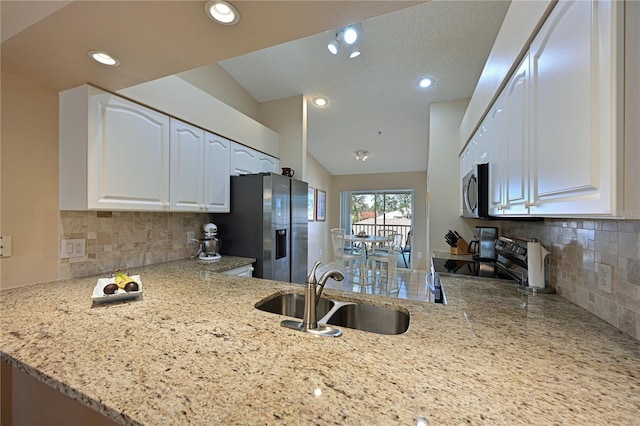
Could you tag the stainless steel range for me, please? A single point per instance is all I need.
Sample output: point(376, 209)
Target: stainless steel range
point(513, 263)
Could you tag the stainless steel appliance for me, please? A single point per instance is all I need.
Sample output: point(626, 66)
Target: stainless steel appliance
point(524, 260)
point(475, 192)
point(210, 244)
point(487, 236)
point(513, 263)
point(268, 221)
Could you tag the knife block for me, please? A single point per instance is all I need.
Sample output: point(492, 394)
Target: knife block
point(462, 247)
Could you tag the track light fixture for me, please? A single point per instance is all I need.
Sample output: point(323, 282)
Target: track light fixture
point(361, 155)
point(350, 36)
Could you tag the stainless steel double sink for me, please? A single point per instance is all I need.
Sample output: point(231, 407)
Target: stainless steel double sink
point(373, 319)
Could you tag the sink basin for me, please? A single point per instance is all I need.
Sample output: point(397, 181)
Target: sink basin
point(292, 305)
point(374, 319)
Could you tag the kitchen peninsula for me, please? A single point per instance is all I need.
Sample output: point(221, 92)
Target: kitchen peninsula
point(195, 350)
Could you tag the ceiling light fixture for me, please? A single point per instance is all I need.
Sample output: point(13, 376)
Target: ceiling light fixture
point(334, 46)
point(361, 155)
point(355, 51)
point(350, 36)
point(222, 12)
point(425, 82)
point(103, 58)
point(320, 101)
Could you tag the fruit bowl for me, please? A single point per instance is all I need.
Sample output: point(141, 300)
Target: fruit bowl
point(99, 296)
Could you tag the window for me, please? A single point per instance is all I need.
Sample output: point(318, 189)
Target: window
point(380, 213)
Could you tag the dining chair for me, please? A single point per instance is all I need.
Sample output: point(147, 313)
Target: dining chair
point(395, 240)
point(384, 267)
point(343, 255)
point(406, 250)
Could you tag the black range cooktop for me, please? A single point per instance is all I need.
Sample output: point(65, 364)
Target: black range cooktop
point(472, 268)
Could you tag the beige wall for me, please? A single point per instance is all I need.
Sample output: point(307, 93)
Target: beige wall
point(444, 174)
point(408, 180)
point(29, 182)
point(319, 240)
point(214, 80)
point(288, 117)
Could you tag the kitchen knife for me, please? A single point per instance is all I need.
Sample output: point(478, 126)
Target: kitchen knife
point(452, 237)
point(449, 241)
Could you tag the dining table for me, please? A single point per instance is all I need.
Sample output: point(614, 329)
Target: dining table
point(368, 242)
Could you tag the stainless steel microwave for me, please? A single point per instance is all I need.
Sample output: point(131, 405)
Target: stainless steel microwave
point(475, 192)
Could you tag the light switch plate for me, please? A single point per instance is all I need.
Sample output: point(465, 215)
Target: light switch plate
point(73, 248)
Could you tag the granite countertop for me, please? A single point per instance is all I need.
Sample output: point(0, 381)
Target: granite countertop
point(195, 350)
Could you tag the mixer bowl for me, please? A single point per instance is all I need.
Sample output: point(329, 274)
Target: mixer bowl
point(211, 246)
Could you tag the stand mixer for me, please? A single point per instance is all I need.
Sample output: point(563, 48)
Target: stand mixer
point(210, 245)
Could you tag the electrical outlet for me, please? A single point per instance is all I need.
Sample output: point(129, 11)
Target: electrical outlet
point(419, 255)
point(73, 248)
point(6, 246)
point(320, 252)
point(605, 276)
point(191, 235)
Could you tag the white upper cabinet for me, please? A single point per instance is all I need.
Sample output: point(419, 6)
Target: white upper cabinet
point(245, 160)
point(491, 150)
point(267, 163)
point(514, 159)
point(113, 153)
point(554, 135)
point(199, 170)
point(217, 158)
point(575, 103)
point(187, 167)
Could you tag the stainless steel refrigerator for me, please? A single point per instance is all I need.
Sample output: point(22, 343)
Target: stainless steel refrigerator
point(268, 221)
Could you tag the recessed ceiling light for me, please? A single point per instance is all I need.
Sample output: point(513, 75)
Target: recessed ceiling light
point(222, 12)
point(320, 102)
point(425, 82)
point(104, 58)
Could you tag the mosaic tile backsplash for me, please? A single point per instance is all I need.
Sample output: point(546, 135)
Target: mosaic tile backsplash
point(577, 248)
point(127, 239)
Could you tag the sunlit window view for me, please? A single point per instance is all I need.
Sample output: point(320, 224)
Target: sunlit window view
point(383, 213)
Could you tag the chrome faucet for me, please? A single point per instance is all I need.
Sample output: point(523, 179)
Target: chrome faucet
point(312, 295)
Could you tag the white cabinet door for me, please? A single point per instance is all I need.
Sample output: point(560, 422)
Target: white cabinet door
point(515, 168)
point(128, 156)
point(217, 188)
point(573, 84)
point(244, 160)
point(187, 171)
point(491, 150)
point(267, 164)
